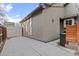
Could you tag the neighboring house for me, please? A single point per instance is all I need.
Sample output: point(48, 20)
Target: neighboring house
point(13, 30)
point(44, 24)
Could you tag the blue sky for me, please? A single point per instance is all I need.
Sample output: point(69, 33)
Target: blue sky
point(17, 11)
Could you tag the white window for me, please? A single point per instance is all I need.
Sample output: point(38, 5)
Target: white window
point(69, 22)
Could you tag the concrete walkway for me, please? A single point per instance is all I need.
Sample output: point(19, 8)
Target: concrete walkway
point(22, 46)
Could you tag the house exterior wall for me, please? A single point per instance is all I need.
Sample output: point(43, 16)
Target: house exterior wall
point(36, 25)
point(37, 31)
point(25, 26)
point(50, 22)
point(71, 9)
point(43, 27)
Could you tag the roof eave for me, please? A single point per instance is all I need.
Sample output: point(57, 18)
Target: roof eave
point(30, 15)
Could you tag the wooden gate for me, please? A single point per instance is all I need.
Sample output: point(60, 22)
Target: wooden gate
point(72, 33)
point(78, 33)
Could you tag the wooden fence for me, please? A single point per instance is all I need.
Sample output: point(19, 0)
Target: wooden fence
point(72, 33)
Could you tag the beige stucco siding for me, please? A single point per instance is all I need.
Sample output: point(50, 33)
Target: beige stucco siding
point(71, 9)
point(24, 29)
point(42, 26)
point(37, 27)
point(51, 29)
